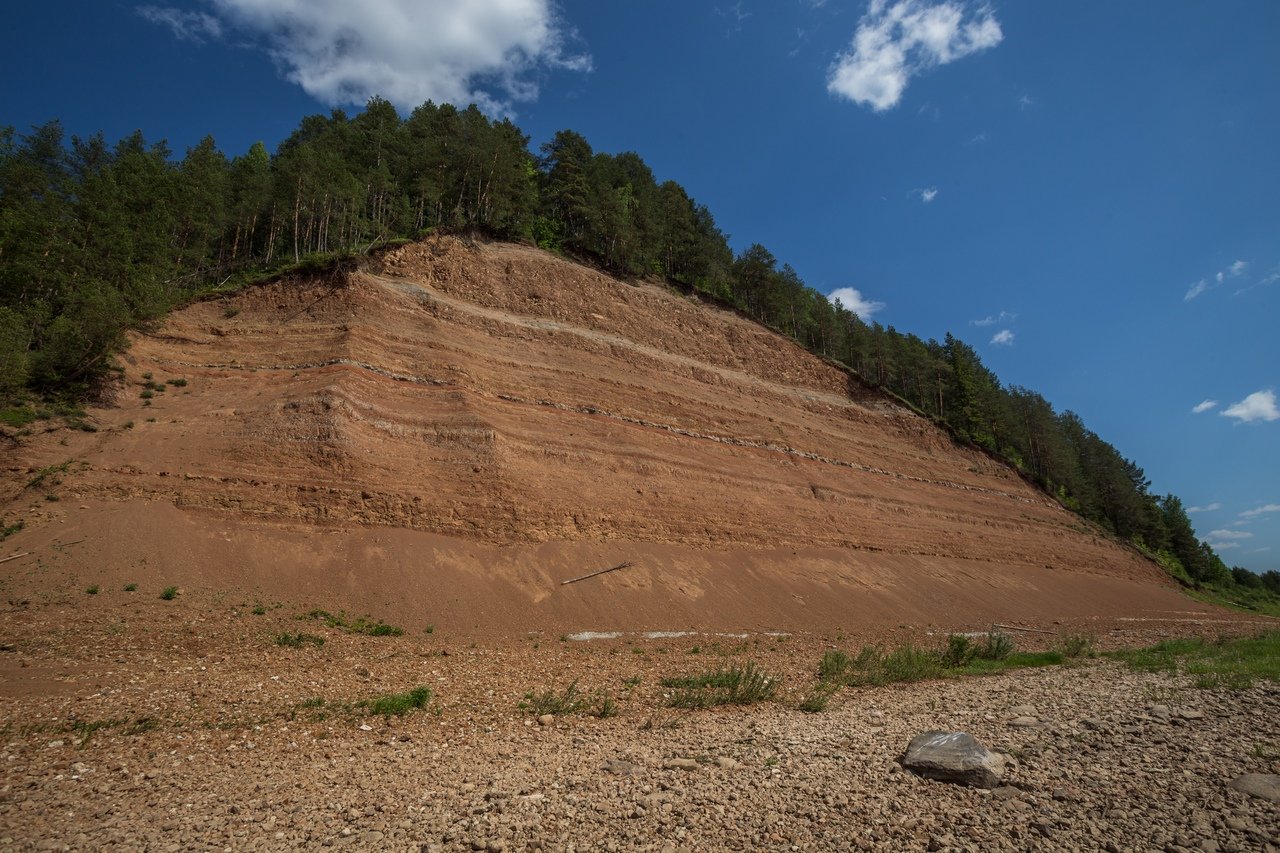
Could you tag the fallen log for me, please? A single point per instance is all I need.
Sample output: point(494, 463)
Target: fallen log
point(595, 574)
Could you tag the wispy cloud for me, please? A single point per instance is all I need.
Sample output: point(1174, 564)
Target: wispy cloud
point(853, 300)
point(1235, 270)
point(992, 319)
point(487, 52)
point(1026, 102)
point(928, 194)
point(1004, 337)
point(1230, 534)
point(1261, 510)
point(898, 40)
point(1208, 508)
point(186, 26)
point(1258, 406)
point(1201, 408)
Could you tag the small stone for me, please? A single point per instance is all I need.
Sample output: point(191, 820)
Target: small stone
point(1023, 711)
point(1159, 712)
point(1263, 785)
point(619, 767)
point(725, 763)
point(680, 764)
point(546, 720)
point(1190, 714)
point(1024, 722)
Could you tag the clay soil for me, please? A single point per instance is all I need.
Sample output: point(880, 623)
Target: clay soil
point(440, 440)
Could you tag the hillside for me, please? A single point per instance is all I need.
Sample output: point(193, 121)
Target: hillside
point(446, 436)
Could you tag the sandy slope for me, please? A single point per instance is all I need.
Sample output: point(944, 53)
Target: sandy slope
point(446, 437)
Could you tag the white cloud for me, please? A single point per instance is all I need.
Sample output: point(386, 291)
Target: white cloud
point(186, 26)
point(1210, 508)
point(1236, 270)
point(992, 319)
point(1262, 510)
point(1230, 534)
point(928, 195)
point(1201, 408)
point(1026, 101)
point(1223, 546)
point(487, 52)
point(854, 301)
point(1258, 406)
point(1004, 337)
point(897, 40)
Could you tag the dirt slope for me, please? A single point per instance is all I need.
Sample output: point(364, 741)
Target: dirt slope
point(448, 436)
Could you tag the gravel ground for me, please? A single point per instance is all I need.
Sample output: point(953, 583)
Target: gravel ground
point(206, 740)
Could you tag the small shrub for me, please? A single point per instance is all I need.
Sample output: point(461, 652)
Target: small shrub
point(131, 587)
point(997, 646)
point(818, 699)
point(834, 666)
point(127, 425)
point(298, 640)
point(7, 530)
point(93, 590)
point(1077, 645)
point(398, 704)
point(170, 593)
point(361, 625)
point(567, 701)
point(960, 650)
point(736, 685)
point(430, 629)
point(178, 383)
point(147, 394)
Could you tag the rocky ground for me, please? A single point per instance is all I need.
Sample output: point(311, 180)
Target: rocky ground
point(190, 729)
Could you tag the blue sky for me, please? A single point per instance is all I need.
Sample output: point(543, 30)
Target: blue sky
point(1086, 191)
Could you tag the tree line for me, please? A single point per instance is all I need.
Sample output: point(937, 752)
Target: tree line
point(98, 238)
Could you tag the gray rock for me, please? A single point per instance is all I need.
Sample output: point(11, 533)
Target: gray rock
point(546, 720)
point(1263, 785)
point(1024, 722)
point(954, 757)
point(619, 767)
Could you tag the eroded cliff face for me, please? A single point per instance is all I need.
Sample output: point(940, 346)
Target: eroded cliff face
point(480, 421)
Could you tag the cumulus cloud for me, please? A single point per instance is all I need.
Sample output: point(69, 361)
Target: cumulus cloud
point(853, 300)
point(186, 26)
point(1201, 408)
point(1209, 508)
point(1258, 406)
point(1004, 337)
point(1262, 510)
point(898, 39)
point(487, 52)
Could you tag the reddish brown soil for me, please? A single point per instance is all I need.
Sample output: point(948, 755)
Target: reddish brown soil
point(445, 438)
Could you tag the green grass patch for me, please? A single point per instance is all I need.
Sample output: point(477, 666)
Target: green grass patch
point(298, 640)
point(170, 593)
point(397, 704)
point(131, 587)
point(361, 625)
point(93, 590)
point(571, 700)
point(1225, 664)
point(735, 685)
point(18, 417)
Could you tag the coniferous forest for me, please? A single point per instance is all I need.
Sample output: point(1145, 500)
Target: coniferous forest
point(97, 238)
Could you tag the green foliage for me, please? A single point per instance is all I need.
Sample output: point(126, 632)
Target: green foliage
point(361, 625)
point(169, 593)
point(131, 587)
point(1226, 664)
point(1077, 645)
point(819, 697)
point(93, 590)
point(570, 700)
point(298, 640)
point(7, 530)
point(996, 646)
point(735, 685)
point(398, 704)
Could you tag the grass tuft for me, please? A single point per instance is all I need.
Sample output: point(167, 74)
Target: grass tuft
point(298, 640)
point(362, 625)
point(170, 593)
point(735, 685)
point(1221, 665)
